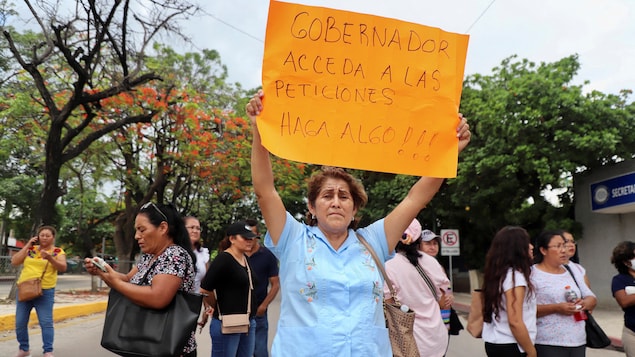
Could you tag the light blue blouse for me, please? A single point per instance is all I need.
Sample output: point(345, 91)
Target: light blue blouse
point(331, 300)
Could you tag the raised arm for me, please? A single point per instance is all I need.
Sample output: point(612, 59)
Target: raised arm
point(420, 194)
point(271, 206)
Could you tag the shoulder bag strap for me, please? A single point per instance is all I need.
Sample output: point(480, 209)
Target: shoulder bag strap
point(427, 280)
point(380, 266)
point(145, 276)
point(251, 287)
point(573, 276)
point(44, 272)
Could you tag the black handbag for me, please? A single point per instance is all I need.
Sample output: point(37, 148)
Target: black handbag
point(455, 323)
point(131, 330)
point(595, 336)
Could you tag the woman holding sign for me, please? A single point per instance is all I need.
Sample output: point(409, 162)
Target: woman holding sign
point(331, 289)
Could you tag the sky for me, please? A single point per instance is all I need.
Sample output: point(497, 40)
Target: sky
point(601, 32)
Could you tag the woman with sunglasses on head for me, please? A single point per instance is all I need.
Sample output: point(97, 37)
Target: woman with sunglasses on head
point(509, 301)
point(166, 265)
point(561, 298)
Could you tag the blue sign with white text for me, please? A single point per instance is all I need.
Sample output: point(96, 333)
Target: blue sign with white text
point(609, 195)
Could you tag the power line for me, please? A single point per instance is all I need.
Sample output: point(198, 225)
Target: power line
point(260, 40)
point(479, 16)
point(235, 28)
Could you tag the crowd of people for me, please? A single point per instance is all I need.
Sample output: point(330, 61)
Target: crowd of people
point(535, 294)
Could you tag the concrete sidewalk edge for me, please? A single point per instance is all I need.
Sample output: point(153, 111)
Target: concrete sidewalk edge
point(616, 342)
point(60, 313)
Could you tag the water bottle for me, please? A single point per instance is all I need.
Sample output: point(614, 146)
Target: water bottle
point(404, 308)
point(572, 297)
point(445, 314)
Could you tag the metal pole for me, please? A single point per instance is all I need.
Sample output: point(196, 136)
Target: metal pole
point(103, 256)
point(451, 275)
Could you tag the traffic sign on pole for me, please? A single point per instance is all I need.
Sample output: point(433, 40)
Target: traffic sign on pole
point(450, 243)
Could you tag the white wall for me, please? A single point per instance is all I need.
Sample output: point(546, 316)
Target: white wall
point(602, 232)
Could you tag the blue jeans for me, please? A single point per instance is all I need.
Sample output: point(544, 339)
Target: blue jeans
point(234, 344)
point(262, 334)
point(44, 309)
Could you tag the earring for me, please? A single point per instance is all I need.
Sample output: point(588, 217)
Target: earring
point(313, 216)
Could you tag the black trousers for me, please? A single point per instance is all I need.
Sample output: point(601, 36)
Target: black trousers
point(503, 350)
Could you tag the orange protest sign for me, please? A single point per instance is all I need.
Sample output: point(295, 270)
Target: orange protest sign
point(361, 91)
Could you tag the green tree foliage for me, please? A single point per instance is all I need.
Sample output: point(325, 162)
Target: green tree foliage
point(89, 53)
point(533, 129)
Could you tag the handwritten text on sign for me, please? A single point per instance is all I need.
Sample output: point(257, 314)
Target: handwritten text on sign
point(361, 91)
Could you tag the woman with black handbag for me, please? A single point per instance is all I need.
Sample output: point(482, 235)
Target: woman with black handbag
point(165, 268)
point(560, 315)
point(430, 243)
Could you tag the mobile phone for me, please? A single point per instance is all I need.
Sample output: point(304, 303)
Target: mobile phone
point(100, 263)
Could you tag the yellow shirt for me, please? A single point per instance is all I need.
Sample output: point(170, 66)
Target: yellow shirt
point(34, 266)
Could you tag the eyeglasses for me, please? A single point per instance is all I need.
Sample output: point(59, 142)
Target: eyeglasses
point(150, 204)
point(194, 228)
point(558, 247)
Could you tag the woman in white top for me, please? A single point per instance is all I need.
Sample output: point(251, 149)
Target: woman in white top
point(560, 333)
point(193, 227)
point(572, 256)
point(509, 302)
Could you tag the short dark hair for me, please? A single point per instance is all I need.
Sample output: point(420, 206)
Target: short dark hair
point(359, 195)
point(623, 252)
point(542, 241)
point(50, 228)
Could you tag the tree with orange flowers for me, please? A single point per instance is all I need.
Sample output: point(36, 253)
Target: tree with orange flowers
point(88, 54)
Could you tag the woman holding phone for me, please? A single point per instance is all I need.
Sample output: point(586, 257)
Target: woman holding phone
point(41, 258)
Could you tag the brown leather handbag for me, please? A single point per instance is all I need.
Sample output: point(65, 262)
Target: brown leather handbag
point(31, 288)
point(400, 323)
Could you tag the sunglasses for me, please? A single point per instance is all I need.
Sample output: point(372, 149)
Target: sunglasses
point(150, 204)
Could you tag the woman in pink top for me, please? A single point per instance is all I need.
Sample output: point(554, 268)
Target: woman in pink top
point(429, 330)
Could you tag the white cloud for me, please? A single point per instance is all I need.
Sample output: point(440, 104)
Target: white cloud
point(601, 32)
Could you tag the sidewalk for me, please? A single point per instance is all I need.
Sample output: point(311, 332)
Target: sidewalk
point(610, 319)
point(67, 305)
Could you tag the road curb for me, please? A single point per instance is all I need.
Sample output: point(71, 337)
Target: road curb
point(60, 313)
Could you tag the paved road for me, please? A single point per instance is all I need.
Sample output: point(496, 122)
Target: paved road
point(81, 336)
point(65, 282)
